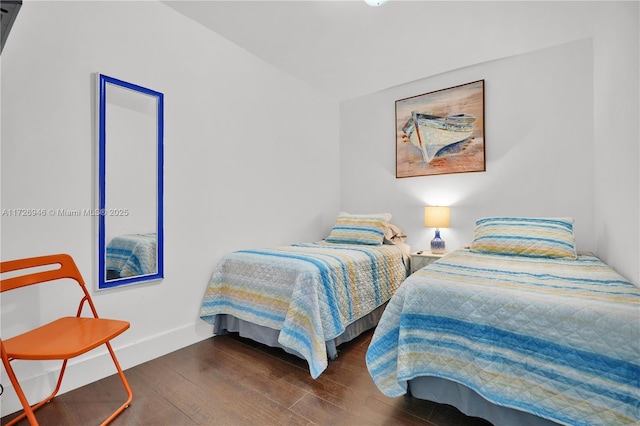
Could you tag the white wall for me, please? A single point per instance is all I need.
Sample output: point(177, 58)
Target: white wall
point(561, 134)
point(617, 134)
point(246, 162)
point(538, 139)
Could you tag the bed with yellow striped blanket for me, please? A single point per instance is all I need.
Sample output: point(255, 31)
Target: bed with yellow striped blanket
point(306, 294)
point(557, 338)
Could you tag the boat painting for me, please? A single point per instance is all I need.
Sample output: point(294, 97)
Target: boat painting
point(437, 136)
point(441, 132)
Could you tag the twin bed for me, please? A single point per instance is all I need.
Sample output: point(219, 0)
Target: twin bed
point(309, 298)
point(517, 329)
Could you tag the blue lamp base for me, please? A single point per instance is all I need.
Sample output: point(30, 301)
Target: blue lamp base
point(437, 244)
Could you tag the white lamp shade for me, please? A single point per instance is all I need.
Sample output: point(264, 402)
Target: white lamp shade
point(436, 217)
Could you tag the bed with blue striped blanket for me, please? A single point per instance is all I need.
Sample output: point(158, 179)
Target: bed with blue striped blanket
point(556, 338)
point(310, 293)
point(132, 255)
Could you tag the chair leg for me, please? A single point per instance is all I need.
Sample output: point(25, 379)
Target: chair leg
point(28, 411)
point(125, 383)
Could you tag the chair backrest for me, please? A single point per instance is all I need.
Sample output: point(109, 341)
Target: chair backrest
point(67, 269)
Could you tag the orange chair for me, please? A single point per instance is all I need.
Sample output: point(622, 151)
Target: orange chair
point(61, 339)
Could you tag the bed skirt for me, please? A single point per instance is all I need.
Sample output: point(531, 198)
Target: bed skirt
point(269, 336)
point(471, 403)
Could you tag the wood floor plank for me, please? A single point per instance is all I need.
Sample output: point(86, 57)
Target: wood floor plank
point(96, 402)
point(257, 374)
point(148, 403)
point(227, 380)
point(55, 413)
point(322, 412)
point(240, 387)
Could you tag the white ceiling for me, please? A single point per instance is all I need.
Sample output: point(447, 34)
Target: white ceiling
point(348, 49)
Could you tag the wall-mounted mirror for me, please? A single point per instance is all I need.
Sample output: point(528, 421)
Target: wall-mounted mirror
point(130, 180)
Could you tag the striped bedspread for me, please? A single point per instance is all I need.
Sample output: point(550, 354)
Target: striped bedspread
point(557, 338)
point(310, 292)
point(132, 255)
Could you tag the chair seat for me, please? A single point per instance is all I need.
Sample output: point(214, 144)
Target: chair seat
point(64, 338)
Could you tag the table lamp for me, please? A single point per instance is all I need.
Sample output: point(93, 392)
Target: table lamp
point(436, 217)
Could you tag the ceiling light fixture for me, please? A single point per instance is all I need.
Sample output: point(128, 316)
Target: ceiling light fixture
point(375, 3)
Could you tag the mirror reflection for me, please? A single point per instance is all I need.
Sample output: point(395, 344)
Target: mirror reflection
point(130, 248)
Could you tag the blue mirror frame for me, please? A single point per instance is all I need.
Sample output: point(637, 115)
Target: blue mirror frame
point(104, 281)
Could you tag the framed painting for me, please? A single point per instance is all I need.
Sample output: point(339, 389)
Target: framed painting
point(441, 132)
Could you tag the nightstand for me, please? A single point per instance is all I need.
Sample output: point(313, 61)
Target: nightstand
point(421, 259)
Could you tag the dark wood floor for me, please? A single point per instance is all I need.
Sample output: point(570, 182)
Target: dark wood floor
point(227, 380)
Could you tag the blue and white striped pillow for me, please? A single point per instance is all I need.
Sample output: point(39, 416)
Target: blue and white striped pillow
point(366, 229)
point(521, 236)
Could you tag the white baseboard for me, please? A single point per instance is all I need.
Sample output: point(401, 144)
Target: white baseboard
point(97, 365)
